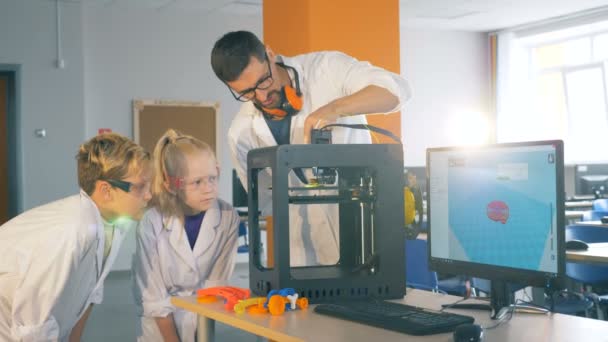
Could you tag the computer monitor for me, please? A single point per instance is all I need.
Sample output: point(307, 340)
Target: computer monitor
point(591, 180)
point(596, 185)
point(497, 212)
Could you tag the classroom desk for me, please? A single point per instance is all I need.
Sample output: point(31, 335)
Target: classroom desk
point(581, 198)
point(574, 215)
point(306, 325)
point(592, 223)
point(596, 254)
point(578, 205)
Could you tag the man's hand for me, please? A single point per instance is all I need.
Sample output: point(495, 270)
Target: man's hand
point(318, 119)
point(369, 100)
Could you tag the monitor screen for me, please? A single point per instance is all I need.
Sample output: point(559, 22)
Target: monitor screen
point(497, 211)
point(591, 180)
point(596, 185)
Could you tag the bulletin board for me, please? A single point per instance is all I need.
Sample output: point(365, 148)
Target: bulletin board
point(152, 118)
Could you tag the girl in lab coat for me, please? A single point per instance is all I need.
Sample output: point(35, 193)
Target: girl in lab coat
point(186, 241)
point(55, 257)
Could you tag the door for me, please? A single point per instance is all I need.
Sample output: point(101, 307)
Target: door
point(3, 149)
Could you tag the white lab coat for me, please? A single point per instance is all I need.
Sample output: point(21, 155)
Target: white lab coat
point(51, 268)
point(324, 77)
point(164, 265)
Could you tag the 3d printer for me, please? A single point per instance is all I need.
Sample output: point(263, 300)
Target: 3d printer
point(363, 184)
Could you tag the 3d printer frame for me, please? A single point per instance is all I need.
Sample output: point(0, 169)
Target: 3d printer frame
point(369, 194)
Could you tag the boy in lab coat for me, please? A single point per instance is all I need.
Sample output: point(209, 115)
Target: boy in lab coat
point(55, 257)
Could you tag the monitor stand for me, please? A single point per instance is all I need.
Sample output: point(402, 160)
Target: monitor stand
point(501, 302)
point(520, 308)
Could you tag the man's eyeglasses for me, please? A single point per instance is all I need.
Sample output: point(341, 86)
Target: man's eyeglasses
point(128, 186)
point(262, 84)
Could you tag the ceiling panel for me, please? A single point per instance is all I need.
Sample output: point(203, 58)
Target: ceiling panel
point(465, 15)
point(487, 15)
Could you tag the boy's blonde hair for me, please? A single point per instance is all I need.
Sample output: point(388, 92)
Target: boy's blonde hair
point(170, 169)
point(108, 156)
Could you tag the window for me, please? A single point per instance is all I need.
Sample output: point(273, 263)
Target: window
point(553, 86)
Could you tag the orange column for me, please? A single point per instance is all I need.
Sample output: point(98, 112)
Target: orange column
point(366, 30)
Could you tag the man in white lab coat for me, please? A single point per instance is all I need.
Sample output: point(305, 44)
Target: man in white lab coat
point(284, 98)
point(55, 257)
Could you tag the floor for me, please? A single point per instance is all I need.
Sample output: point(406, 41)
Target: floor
point(115, 319)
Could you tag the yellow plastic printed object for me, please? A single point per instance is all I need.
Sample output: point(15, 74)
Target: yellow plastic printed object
point(313, 183)
point(257, 309)
point(242, 304)
point(409, 205)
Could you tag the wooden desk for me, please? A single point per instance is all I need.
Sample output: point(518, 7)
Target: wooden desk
point(579, 204)
point(306, 325)
point(597, 253)
point(581, 198)
point(592, 223)
point(574, 215)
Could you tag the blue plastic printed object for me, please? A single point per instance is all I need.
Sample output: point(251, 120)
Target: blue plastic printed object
point(288, 291)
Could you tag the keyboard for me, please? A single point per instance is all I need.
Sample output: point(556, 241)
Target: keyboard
point(397, 317)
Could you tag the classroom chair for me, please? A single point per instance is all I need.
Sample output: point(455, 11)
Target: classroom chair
point(600, 204)
point(417, 272)
point(589, 275)
point(419, 275)
point(244, 248)
point(593, 215)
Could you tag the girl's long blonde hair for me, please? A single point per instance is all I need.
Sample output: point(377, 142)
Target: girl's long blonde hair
point(170, 169)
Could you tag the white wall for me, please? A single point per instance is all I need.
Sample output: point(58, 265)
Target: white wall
point(51, 98)
point(116, 53)
point(449, 75)
point(155, 54)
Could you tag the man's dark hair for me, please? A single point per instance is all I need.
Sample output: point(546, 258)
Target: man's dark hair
point(231, 54)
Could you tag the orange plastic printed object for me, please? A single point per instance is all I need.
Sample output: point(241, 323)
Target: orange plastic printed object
point(276, 305)
point(207, 299)
point(302, 303)
point(230, 294)
point(258, 309)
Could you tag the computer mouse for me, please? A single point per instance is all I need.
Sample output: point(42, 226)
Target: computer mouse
point(576, 245)
point(468, 333)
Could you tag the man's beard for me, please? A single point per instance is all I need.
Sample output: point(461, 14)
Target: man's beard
point(278, 104)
